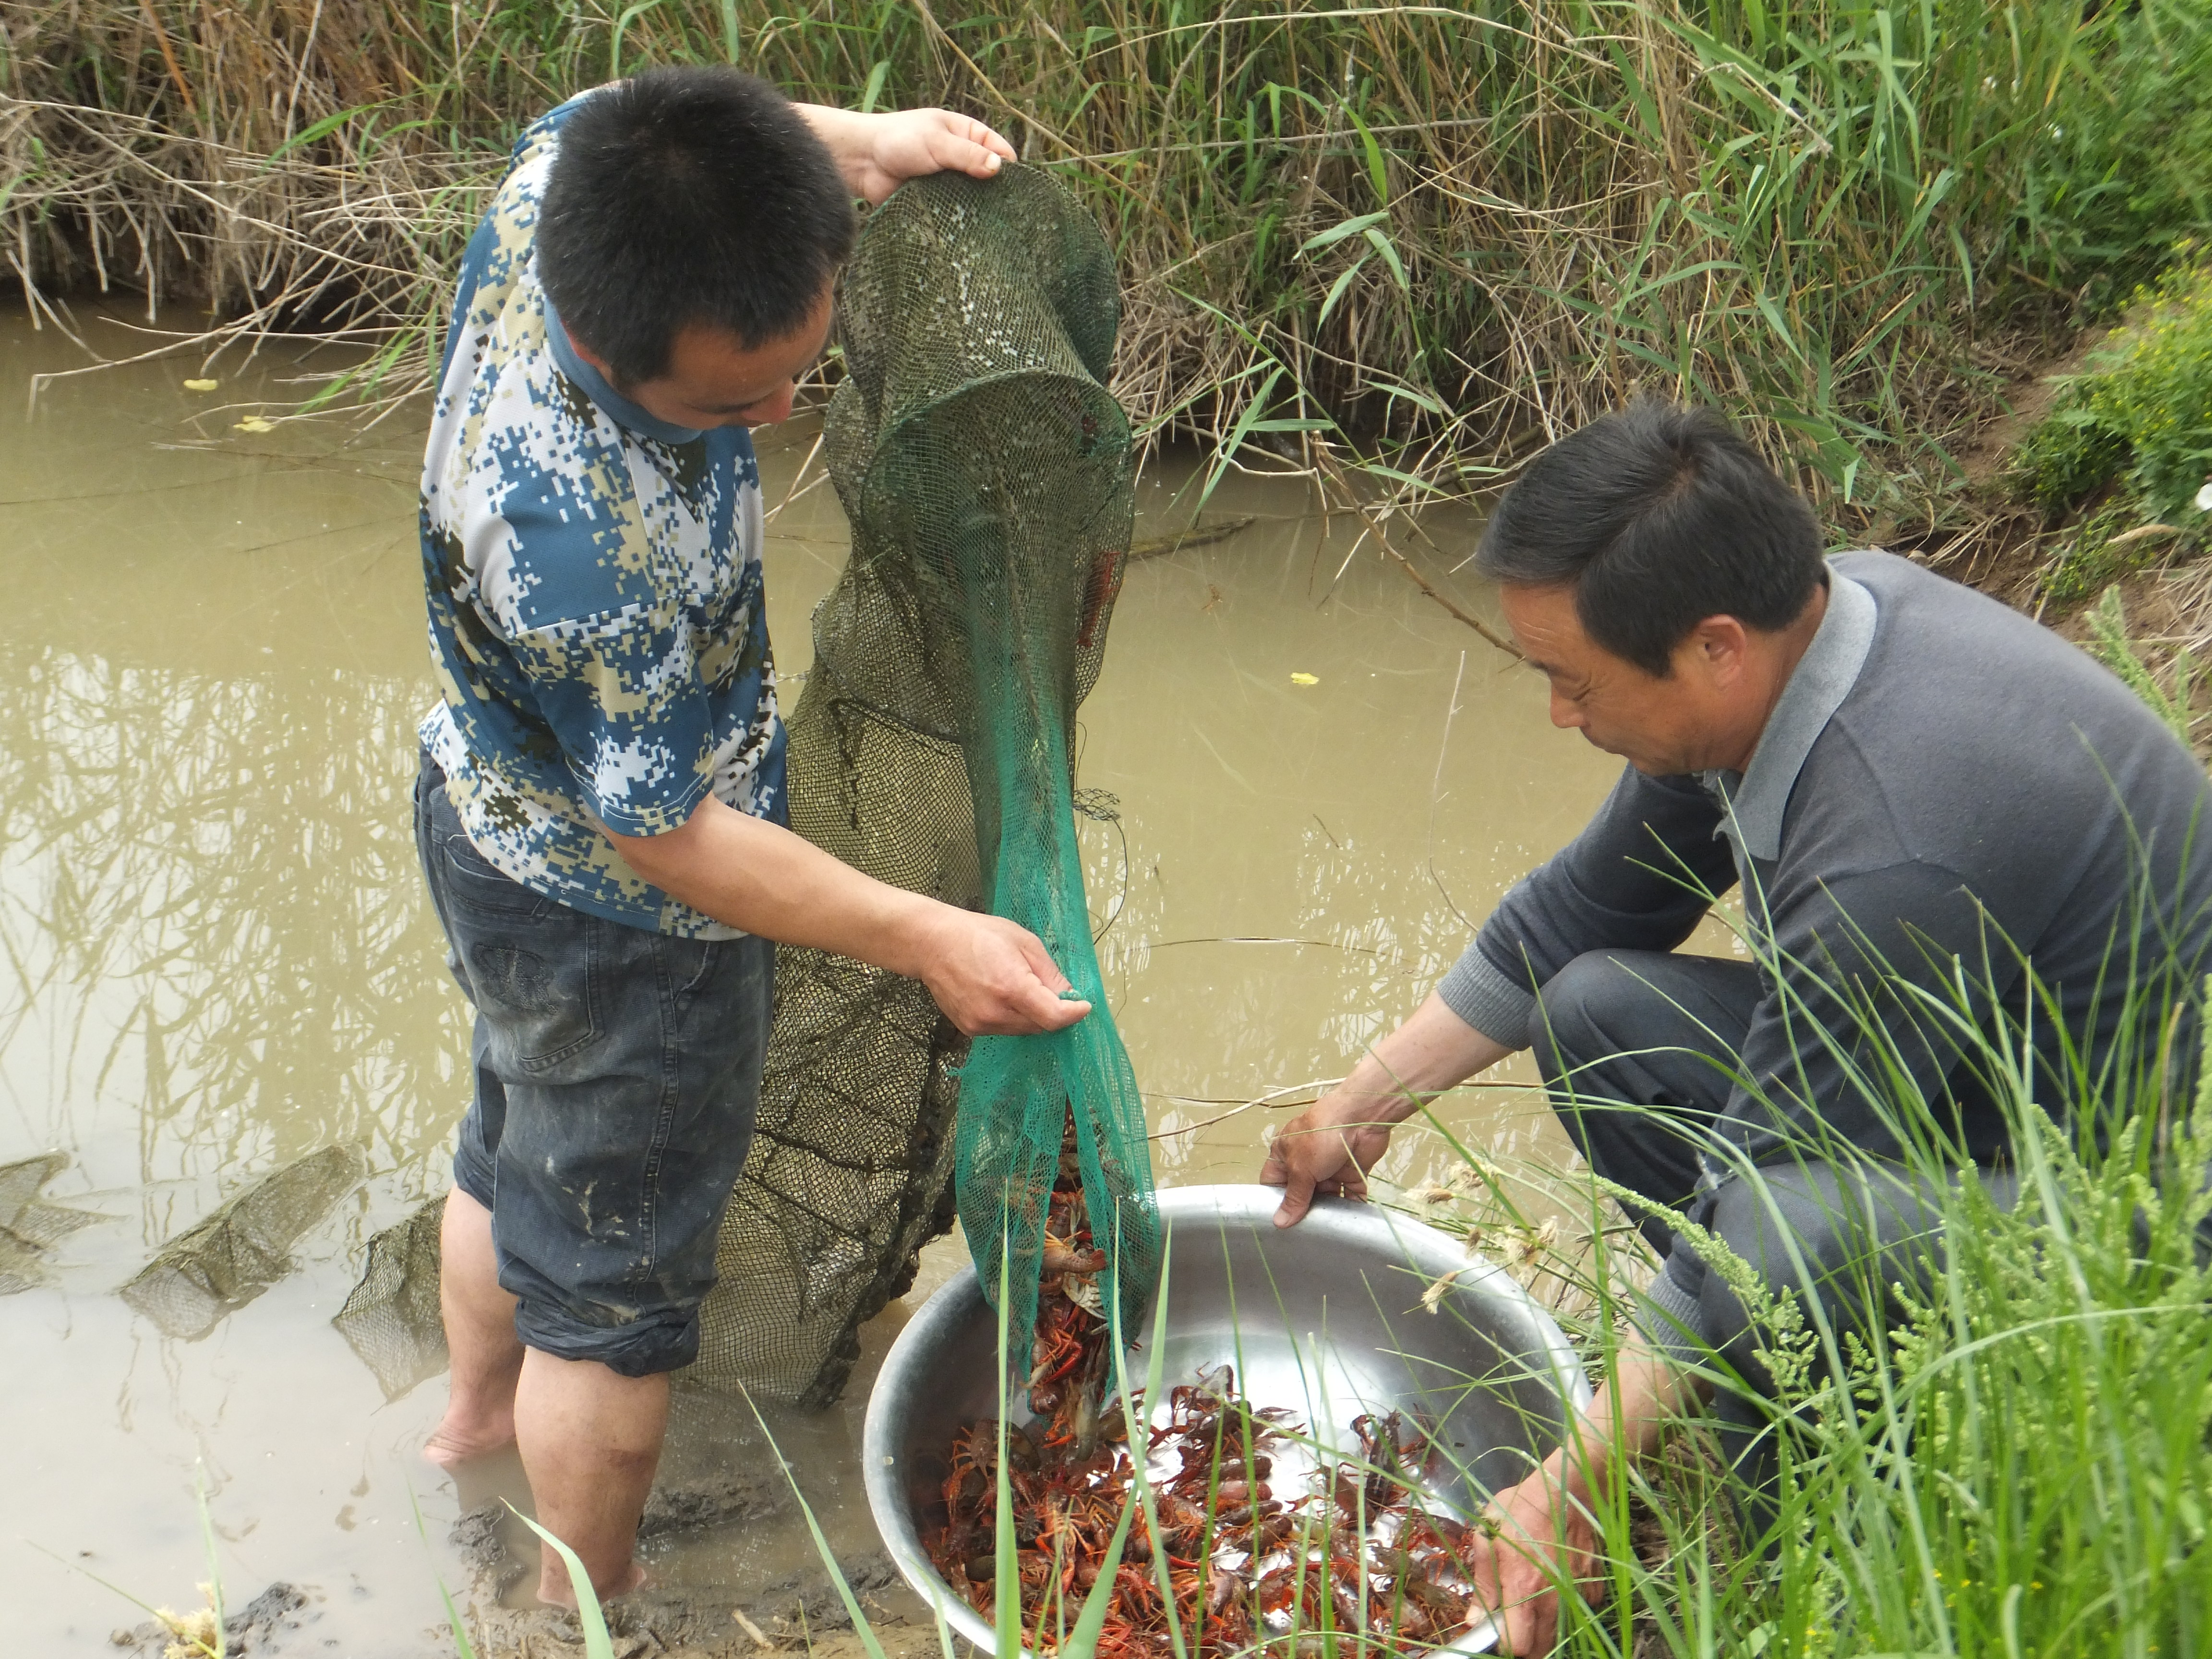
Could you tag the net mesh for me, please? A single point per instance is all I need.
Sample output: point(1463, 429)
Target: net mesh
point(392, 1319)
point(243, 1247)
point(988, 479)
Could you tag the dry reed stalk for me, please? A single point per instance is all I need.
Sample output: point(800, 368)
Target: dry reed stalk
point(1412, 241)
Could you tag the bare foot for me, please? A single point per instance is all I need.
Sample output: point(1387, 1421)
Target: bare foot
point(455, 1443)
point(555, 1591)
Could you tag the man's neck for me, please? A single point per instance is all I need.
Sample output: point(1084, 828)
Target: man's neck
point(1784, 649)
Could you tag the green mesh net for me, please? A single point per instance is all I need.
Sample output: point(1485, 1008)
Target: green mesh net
point(988, 479)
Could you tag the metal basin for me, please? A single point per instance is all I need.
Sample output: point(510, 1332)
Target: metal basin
point(1325, 1318)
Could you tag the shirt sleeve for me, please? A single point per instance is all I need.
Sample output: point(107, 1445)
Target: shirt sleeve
point(1642, 872)
point(1870, 976)
point(622, 694)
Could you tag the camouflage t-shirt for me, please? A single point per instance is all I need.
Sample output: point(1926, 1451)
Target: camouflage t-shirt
point(594, 586)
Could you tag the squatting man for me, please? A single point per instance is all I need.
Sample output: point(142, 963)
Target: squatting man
point(600, 807)
point(1915, 788)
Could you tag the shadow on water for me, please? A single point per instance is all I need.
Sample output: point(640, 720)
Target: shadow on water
point(218, 959)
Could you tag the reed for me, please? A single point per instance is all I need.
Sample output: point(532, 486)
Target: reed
point(1420, 238)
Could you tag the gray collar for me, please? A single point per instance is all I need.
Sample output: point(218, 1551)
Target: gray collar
point(1818, 685)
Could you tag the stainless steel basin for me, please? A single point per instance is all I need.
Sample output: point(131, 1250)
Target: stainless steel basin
point(1326, 1318)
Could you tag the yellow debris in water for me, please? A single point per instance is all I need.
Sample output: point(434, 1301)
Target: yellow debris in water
point(1305, 679)
point(200, 386)
point(254, 423)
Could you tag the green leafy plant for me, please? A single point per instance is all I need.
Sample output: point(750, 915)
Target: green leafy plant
point(2139, 418)
point(1447, 228)
point(589, 1616)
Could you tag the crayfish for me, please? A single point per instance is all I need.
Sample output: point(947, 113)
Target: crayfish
point(1358, 1556)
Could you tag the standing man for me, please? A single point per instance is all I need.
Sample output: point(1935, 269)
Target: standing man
point(1931, 804)
point(600, 809)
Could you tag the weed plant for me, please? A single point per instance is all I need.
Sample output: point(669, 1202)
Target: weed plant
point(1428, 237)
point(2140, 416)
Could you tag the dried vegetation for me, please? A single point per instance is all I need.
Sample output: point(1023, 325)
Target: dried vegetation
point(1410, 240)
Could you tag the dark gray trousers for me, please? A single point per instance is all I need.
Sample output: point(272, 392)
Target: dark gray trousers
point(1635, 1048)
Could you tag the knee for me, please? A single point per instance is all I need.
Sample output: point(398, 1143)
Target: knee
point(1572, 1017)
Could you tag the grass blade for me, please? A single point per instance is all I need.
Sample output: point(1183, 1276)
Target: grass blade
point(596, 1644)
point(860, 1627)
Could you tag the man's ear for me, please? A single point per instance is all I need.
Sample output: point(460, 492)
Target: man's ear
point(1721, 645)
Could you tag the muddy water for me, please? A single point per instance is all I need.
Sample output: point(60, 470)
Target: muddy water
point(218, 957)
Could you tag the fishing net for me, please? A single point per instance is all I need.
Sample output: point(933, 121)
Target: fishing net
point(988, 479)
point(29, 1226)
point(242, 1246)
point(391, 1318)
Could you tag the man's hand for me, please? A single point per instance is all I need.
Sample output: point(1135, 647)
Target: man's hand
point(878, 152)
point(1332, 1145)
point(1326, 1152)
point(992, 976)
point(1539, 1539)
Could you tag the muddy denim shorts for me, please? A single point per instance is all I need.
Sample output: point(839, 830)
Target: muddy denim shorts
point(616, 1075)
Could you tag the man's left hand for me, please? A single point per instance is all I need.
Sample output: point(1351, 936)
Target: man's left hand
point(878, 153)
point(1534, 1540)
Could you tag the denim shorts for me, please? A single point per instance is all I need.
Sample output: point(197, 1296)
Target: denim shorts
point(616, 1075)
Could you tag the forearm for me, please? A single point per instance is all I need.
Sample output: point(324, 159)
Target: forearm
point(1625, 1418)
point(1433, 1051)
point(761, 879)
point(843, 133)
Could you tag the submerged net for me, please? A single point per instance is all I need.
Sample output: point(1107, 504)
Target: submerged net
point(242, 1246)
point(988, 478)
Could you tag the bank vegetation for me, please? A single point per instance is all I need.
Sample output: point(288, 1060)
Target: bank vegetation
point(1420, 238)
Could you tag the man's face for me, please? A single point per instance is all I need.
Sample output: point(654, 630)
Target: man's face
point(712, 380)
point(1696, 717)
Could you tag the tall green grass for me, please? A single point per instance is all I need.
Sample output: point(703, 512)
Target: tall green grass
point(1426, 237)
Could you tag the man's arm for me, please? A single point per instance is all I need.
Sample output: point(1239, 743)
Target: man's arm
point(987, 974)
point(1541, 1537)
point(1637, 876)
point(1329, 1147)
point(877, 152)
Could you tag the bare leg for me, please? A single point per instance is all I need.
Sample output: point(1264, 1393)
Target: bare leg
point(487, 1355)
point(591, 1440)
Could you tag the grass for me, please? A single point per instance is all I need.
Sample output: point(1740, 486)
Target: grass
point(1409, 241)
point(2141, 413)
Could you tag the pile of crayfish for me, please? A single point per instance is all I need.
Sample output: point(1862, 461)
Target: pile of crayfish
point(1358, 1555)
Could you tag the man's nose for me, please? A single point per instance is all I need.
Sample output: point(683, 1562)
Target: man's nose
point(1566, 715)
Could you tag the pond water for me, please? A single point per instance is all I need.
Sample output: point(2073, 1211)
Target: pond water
point(219, 957)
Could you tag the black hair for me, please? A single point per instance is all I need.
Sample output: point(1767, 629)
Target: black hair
point(1658, 516)
point(688, 197)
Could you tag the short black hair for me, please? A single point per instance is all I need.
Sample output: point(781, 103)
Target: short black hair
point(1658, 516)
point(685, 197)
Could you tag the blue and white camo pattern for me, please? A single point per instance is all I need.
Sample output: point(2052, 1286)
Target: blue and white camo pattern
point(593, 580)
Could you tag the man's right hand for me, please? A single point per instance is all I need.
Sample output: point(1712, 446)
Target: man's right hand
point(994, 977)
point(1326, 1152)
point(1534, 1539)
point(1329, 1148)
point(989, 976)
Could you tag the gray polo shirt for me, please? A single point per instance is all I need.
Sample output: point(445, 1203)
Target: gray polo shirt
point(1946, 793)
